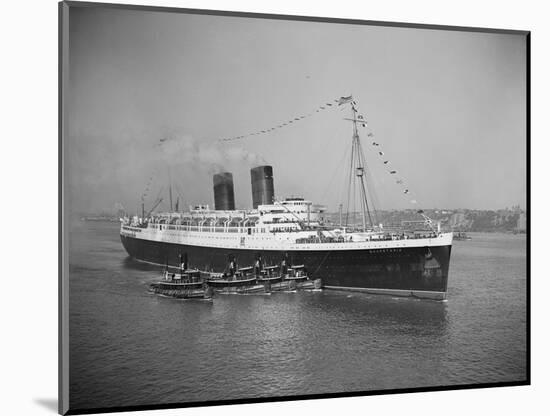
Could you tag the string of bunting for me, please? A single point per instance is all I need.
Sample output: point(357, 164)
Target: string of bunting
point(396, 177)
point(326, 106)
point(147, 187)
point(392, 171)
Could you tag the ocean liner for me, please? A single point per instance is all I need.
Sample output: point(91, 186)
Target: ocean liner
point(365, 257)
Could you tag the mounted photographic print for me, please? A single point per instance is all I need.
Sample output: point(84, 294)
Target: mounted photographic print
point(258, 207)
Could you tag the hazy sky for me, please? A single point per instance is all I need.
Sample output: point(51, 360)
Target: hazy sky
point(447, 107)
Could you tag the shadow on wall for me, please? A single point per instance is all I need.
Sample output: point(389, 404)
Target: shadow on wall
point(50, 404)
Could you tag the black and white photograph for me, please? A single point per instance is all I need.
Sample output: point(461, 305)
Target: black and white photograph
point(261, 207)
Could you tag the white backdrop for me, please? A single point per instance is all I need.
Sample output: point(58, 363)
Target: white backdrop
point(29, 203)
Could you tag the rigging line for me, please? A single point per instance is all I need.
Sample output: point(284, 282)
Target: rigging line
point(320, 264)
point(366, 174)
point(374, 195)
point(364, 201)
point(349, 182)
point(180, 194)
point(358, 178)
point(354, 193)
point(341, 189)
point(374, 198)
point(365, 204)
point(170, 185)
point(292, 213)
point(159, 194)
point(334, 173)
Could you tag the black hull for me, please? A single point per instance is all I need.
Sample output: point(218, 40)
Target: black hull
point(412, 271)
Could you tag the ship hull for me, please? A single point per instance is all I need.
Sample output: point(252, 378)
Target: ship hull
point(404, 271)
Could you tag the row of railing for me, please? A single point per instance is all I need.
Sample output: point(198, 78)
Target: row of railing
point(374, 238)
point(203, 228)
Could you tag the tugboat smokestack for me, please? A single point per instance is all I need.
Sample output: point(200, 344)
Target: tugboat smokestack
point(224, 195)
point(262, 185)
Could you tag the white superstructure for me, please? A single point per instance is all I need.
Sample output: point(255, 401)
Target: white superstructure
point(288, 225)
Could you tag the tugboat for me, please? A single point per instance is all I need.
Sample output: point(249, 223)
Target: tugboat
point(187, 284)
point(270, 274)
point(298, 277)
point(285, 278)
point(240, 281)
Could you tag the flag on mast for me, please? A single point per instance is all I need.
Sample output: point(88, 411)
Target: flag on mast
point(345, 100)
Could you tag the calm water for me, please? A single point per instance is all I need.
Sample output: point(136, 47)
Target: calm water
point(128, 347)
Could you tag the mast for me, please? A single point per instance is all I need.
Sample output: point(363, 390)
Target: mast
point(357, 169)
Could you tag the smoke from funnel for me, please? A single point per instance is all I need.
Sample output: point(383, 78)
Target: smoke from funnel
point(213, 157)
